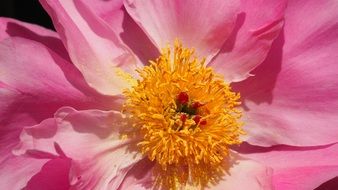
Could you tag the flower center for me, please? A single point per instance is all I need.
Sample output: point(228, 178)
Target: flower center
point(186, 115)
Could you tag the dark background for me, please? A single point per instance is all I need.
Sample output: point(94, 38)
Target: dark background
point(25, 10)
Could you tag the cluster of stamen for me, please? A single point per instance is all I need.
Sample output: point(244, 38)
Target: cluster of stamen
point(187, 117)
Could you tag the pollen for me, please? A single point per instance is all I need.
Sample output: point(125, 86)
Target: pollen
point(187, 117)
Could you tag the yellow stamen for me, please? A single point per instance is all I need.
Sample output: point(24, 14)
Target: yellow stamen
point(125, 76)
point(194, 148)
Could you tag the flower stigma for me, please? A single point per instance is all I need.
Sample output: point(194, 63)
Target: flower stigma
point(187, 117)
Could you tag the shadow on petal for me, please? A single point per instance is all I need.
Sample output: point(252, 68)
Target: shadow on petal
point(329, 185)
point(259, 88)
point(137, 40)
point(52, 176)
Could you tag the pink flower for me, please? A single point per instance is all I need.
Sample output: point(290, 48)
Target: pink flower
point(75, 114)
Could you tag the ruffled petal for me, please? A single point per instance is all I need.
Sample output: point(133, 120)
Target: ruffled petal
point(257, 27)
point(293, 97)
point(100, 158)
point(297, 168)
point(115, 15)
point(203, 25)
point(93, 47)
point(32, 87)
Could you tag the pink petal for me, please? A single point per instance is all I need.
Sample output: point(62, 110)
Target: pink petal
point(203, 25)
point(34, 87)
point(100, 158)
point(297, 168)
point(114, 13)
point(14, 28)
point(53, 176)
point(257, 27)
point(139, 177)
point(246, 174)
point(17, 171)
point(93, 47)
point(303, 178)
point(293, 97)
point(243, 173)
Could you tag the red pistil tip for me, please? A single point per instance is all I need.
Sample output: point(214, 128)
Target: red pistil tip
point(197, 119)
point(183, 117)
point(203, 122)
point(196, 105)
point(183, 98)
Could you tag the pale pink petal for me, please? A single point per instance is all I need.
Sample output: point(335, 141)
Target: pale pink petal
point(93, 47)
point(203, 25)
point(114, 13)
point(139, 177)
point(100, 159)
point(297, 168)
point(243, 173)
point(293, 98)
point(257, 27)
point(105, 9)
point(246, 174)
